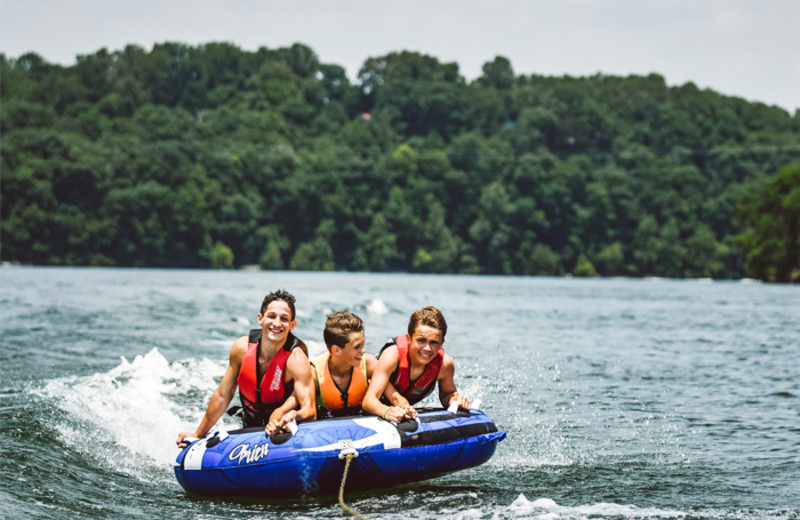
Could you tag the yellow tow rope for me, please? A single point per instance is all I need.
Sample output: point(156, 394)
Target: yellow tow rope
point(349, 457)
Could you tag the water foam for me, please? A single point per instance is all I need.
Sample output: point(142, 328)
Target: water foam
point(377, 308)
point(548, 509)
point(129, 417)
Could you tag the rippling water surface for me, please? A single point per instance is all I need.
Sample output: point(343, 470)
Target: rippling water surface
point(622, 399)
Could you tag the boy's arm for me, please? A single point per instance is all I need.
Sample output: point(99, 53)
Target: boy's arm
point(447, 385)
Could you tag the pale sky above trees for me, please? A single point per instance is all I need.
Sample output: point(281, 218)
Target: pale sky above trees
point(745, 48)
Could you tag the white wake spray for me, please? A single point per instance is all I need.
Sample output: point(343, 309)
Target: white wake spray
point(130, 416)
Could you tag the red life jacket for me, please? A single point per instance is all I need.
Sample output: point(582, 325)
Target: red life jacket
point(261, 395)
point(331, 397)
point(413, 391)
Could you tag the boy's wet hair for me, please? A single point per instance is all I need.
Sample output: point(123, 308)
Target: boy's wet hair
point(428, 316)
point(339, 326)
point(279, 295)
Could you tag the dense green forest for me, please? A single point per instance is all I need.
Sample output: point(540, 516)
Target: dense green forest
point(212, 156)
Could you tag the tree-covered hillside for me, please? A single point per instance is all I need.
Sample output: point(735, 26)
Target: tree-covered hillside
point(215, 156)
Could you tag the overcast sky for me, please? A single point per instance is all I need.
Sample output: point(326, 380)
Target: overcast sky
point(745, 48)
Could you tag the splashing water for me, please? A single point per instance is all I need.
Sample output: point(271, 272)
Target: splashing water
point(129, 416)
point(622, 399)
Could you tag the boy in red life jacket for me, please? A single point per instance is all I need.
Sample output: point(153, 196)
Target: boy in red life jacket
point(269, 367)
point(341, 374)
point(413, 364)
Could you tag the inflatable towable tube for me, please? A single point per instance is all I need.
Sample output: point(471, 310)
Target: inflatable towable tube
point(248, 463)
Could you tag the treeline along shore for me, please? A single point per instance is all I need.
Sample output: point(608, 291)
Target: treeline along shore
point(213, 156)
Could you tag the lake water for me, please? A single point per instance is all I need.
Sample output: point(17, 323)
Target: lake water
point(622, 399)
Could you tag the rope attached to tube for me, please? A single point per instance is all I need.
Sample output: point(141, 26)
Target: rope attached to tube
point(348, 459)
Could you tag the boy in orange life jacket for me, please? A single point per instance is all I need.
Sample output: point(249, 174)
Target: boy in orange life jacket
point(269, 367)
point(341, 374)
point(413, 363)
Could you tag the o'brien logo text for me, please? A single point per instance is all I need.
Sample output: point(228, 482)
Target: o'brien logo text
point(243, 452)
point(276, 380)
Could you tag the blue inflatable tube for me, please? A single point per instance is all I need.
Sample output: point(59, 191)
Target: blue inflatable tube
point(310, 462)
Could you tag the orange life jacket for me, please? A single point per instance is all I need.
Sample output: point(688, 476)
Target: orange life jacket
point(330, 396)
point(413, 391)
point(261, 395)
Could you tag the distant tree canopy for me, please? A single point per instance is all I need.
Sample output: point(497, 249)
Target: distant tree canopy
point(771, 222)
point(211, 156)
